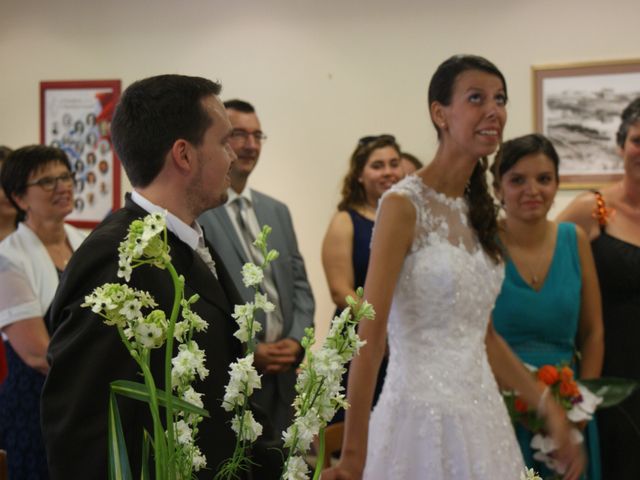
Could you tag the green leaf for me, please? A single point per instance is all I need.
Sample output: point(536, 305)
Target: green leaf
point(119, 468)
point(144, 474)
point(138, 391)
point(612, 390)
point(146, 447)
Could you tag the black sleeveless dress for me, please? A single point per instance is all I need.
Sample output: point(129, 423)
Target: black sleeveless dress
point(362, 232)
point(618, 266)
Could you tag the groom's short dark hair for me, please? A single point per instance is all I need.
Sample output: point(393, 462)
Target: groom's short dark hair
point(152, 114)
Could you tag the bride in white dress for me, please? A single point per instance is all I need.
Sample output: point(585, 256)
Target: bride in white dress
point(434, 274)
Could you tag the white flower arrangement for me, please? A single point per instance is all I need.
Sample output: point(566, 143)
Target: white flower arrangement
point(244, 379)
point(529, 474)
point(142, 327)
point(320, 393)
point(176, 454)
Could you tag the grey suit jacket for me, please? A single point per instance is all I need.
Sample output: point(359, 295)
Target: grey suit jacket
point(296, 299)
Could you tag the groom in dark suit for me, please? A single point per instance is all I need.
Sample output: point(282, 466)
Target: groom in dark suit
point(171, 133)
point(232, 228)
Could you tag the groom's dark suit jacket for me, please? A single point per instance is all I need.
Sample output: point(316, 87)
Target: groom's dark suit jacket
point(86, 355)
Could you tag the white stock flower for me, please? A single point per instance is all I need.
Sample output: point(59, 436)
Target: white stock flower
point(305, 429)
point(248, 326)
point(252, 275)
point(296, 469)
point(188, 363)
point(198, 460)
point(243, 380)
point(328, 364)
point(251, 429)
point(183, 431)
point(529, 474)
point(193, 397)
point(179, 330)
point(260, 301)
point(195, 320)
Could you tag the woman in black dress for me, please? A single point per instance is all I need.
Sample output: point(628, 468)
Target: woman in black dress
point(611, 217)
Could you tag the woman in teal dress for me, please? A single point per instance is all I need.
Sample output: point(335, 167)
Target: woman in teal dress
point(549, 306)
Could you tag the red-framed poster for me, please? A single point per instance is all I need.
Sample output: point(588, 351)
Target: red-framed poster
point(76, 117)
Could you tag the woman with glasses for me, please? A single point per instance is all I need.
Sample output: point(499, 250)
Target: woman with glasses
point(39, 183)
point(374, 167)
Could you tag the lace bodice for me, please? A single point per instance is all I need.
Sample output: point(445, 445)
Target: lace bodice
point(440, 414)
point(442, 301)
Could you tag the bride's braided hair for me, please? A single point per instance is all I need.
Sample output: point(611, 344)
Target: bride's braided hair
point(482, 209)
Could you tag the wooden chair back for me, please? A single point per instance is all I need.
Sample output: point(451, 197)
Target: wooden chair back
point(332, 441)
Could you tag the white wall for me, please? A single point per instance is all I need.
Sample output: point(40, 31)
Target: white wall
point(321, 73)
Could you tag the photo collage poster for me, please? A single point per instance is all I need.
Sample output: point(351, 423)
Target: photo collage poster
point(78, 121)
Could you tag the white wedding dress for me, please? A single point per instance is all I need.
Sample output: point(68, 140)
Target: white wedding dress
point(440, 415)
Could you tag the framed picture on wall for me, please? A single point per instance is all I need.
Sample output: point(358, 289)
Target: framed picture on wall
point(76, 117)
point(578, 107)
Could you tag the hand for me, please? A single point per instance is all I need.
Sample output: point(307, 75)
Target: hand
point(336, 473)
point(569, 453)
point(276, 357)
point(341, 472)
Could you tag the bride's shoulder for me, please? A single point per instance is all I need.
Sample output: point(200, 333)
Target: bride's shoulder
point(410, 188)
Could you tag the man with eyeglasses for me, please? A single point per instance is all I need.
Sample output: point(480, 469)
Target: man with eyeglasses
point(231, 229)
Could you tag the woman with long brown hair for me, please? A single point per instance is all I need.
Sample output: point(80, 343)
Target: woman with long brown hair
point(374, 167)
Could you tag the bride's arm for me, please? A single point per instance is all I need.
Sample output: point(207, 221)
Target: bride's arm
point(392, 238)
point(512, 373)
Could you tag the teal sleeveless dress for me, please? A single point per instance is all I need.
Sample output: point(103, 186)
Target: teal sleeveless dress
point(541, 327)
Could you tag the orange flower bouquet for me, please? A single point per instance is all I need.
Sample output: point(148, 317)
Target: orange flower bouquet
point(577, 400)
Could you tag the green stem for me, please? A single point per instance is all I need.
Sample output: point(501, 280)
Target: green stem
point(160, 456)
point(294, 443)
point(320, 457)
point(178, 288)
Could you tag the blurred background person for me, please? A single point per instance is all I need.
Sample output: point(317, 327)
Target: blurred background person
point(374, 167)
point(39, 183)
point(611, 218)
point(7, 225)
point(7, 210)
point(549, 304)
point(409, 163)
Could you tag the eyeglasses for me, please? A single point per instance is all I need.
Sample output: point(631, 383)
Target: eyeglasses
point(49, 184)
point(243, 135)
point(373, 138)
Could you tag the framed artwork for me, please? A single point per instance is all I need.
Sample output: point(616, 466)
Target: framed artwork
point(76, 117)
point(578, 106)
